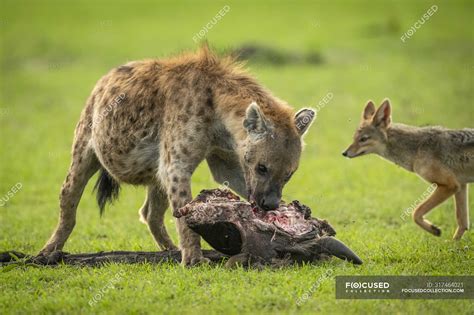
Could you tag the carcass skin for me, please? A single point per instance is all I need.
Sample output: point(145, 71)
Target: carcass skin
point(255, 237)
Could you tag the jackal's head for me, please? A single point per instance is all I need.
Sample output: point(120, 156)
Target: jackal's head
point(371, 136)
point(271, 154)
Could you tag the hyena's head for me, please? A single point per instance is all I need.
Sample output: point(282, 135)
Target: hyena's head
point(271, 154)
point(371, 136)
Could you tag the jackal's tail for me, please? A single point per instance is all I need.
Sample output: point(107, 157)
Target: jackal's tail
point(107, 189)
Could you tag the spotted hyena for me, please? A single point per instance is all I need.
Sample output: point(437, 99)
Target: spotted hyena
point(152, 122)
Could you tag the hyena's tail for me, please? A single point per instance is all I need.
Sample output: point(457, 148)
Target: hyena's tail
point(107, 189)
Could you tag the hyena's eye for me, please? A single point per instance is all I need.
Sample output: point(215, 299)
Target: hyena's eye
point(262, 169)
point(364, 138)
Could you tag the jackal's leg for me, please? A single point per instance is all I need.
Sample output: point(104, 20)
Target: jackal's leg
point(84, 165)
point(441, 193)
point(153, 213)
point(462, 211)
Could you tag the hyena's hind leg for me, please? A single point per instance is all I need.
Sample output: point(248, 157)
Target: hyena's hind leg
point(153, 213)
point(84, 165)
point(462, 211)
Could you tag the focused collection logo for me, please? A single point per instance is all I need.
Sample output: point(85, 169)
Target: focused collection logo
point(367, 287)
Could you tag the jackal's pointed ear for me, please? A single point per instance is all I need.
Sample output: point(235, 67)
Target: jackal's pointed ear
point(255, 121)
point(383, 115)
point(369, 111)
point(303, 120)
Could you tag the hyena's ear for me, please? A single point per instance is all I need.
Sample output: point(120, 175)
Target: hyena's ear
point(255, 121)
point(303, 120)
point(369, 111)
point(383, 115)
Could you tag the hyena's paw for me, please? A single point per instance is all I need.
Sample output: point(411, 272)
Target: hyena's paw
point(48, 249)
point(52, 258)
point(436, 231)
point(193, 258)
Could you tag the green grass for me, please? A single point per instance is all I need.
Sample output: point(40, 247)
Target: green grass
point(52, 53)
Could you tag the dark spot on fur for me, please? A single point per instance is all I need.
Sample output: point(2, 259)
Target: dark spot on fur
point(183, 193)
point(183, 118)
point(200, 112)
point(175, 179)
point(240, 113)
point(209, 100)
point(114, 90)
point(125, 69)
point(173, 190)
point(184, 150)
point(134, 81)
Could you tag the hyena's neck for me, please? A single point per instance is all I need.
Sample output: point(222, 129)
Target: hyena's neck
point(235, 94)
point(402, 145)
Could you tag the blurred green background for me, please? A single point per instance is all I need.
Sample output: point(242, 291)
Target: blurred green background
point(53, 52)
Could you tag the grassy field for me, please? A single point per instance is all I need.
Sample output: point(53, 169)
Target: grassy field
point(52, 53)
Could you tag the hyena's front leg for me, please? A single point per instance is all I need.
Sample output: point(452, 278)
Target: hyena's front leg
point(178, 169)
point(179, 191)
